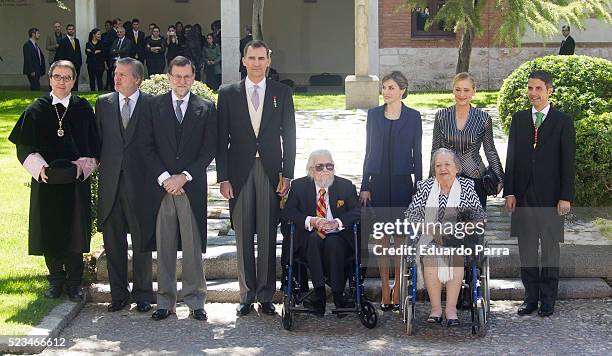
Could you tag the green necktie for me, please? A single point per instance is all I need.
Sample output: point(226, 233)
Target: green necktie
point(539, 119)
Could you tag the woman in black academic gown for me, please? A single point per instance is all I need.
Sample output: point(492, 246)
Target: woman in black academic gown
point(57, 144)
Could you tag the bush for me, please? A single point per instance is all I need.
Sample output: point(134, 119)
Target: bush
point(594, 161)
point(158, 84)
point(582, 87)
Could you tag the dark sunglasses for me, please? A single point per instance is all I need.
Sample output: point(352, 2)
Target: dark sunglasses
point(319, 167)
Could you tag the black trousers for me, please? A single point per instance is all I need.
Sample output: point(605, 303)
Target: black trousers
point(121, 221)
point(541, 281)
point(67, 269)
point(326, 258)
point(34, 82)
point(110, 72)
point(95, 77)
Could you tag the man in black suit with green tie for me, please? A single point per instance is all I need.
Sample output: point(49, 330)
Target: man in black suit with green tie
point(539, 189)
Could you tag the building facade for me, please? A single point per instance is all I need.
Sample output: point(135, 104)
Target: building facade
point(307, 37)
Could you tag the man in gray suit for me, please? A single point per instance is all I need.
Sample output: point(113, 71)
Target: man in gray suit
point(119, 117)
point(180, 142)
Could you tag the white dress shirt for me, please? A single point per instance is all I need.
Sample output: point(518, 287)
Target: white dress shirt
point(328, 211)
point(543, 111)
point(133, 100)
point(162, 177)
point(248, 84)
point(56, 100)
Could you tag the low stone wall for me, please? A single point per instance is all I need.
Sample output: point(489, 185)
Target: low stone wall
point(434, 68)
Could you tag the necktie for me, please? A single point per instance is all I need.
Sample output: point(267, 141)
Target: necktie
point(539, 119)
point(178, 112)
point(125, 112)
point(321, 209)
point(72, 42)
point(136, 37)
point(119, 44)
point(255, 97)
point(38, 52)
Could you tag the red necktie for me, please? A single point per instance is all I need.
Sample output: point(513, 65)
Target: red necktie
point(321, 209)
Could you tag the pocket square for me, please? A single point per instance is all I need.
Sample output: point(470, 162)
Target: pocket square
point(339, 203)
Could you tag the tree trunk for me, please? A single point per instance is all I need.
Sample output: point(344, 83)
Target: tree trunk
point(465, 50)
point(258, 7)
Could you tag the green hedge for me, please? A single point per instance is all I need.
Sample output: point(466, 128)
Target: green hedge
point(594, 161)
point(582, 87)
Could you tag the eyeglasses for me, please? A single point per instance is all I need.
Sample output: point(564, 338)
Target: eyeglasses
point(319, 167)
point(181, 77)
point(58, 78)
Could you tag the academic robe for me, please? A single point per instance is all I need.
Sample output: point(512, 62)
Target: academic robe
point(60, 214)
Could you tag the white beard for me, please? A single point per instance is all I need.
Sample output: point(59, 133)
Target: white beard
point(325, 182)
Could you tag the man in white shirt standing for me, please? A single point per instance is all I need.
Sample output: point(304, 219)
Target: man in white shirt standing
point(119, 117)
point(256, 119)
point(539, 189)
point(180, 142)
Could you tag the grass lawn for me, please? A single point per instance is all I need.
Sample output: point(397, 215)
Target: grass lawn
point(22, 277)
point(311, 101)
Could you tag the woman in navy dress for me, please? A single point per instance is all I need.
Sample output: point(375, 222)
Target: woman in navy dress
point(393, 154)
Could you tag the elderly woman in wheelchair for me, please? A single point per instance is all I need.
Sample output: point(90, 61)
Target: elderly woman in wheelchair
point(443, 199)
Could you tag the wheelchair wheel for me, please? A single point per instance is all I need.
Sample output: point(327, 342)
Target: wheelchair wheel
point(481, 325)
point(367, 315)
point(409, 316)
point(485, 285)
point(288, 316)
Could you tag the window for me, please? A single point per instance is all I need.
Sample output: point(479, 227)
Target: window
point(421, 17)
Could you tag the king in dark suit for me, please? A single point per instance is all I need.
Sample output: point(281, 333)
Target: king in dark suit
point(33, 59)
point(324, 208)
point(539, 182)
point(254, 168)
point(180, 142)
point(119, 119)
point(70, 49)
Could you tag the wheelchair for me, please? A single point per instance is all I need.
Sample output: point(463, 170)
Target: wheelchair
point(295, 293)
point(475, 284)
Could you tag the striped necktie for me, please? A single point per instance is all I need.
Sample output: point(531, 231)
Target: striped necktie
point(321, 209)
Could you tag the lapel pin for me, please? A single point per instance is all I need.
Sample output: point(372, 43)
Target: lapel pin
point(274, 100)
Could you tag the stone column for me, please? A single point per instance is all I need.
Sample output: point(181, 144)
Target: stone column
point(362, 88)
point(84, 21)
point(230, 38)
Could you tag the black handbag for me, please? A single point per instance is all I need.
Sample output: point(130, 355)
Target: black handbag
point(490, 182)
point(61, 171)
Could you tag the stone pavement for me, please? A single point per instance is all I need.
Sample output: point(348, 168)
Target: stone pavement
point(577, 327)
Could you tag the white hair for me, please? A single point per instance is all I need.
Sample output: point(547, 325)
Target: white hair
point(315, 154)
point(440, 151)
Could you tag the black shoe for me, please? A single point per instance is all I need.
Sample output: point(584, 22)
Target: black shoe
point(199, 314)
point(75, 294)
point(396, 307)
point(143, 307)
point(434, 319)
point(341, 302)
point(244, 309)
point(452, 322)
point(117, 305)
point(386, 307)
point(161, 314)
point(54, 291)
point(527, 308)
point(267, 308)
point(546, 309)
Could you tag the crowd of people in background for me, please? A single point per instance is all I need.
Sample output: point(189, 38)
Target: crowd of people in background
point(119, 39)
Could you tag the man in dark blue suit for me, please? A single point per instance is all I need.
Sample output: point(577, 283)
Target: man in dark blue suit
point(70, 49)
point(539, 183)
point(33, 59)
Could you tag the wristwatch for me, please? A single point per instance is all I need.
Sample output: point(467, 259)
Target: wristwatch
point(187, 175)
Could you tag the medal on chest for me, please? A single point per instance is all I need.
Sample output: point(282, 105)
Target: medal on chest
point(60, 121)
